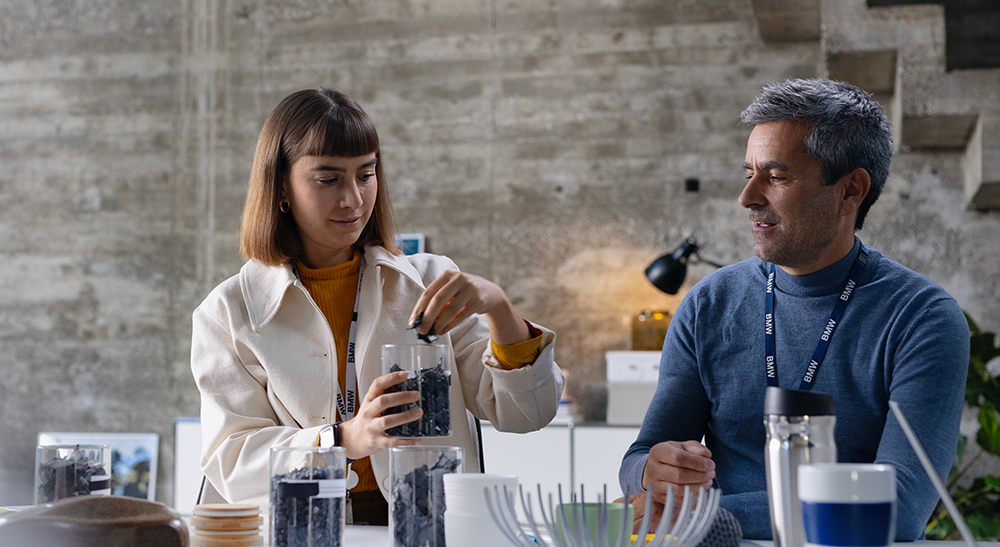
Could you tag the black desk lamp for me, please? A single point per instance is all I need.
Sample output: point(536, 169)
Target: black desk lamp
point(667, 272)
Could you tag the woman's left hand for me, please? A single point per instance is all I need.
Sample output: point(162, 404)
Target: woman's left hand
point(454, 296)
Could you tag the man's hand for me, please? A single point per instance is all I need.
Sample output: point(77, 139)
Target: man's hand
point(673, 464)
point(638, 502)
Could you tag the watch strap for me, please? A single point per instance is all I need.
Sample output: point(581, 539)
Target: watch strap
point(339, 441)
point(329, 437)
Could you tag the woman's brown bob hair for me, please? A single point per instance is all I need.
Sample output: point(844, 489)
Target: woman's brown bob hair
point(311, 122)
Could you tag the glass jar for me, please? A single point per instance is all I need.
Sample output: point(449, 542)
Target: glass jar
point(417, 504)
point(429, 373)
point(308, 489)
point(649, 328)
point(67, 470)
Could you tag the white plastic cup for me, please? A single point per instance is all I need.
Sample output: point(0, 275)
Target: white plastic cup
point(467, 520)
point(465, 491)
point(848, 504)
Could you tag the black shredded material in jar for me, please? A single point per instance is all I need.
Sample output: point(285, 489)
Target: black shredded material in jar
point(68, 477)
point(433, 385)
point(294, 508)
point(416, 522)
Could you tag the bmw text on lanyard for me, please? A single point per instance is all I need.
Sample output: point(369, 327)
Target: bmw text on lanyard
point(347, 402)
point(824, 339)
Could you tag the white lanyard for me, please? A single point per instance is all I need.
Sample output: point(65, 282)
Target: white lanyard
point(347, 402)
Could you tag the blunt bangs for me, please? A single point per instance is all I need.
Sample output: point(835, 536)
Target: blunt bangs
point(330, 129)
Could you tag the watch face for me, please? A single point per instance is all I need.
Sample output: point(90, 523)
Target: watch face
point(326, 437)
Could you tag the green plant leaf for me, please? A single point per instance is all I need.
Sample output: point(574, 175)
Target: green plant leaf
point(955, 474)
point(983, 526)
point(942, 529)
point(988, 436)
point(981, 385)
point(973, 327)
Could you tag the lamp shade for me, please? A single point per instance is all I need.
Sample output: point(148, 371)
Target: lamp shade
point(667, 272)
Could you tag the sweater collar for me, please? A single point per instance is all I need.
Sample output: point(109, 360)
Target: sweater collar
point(265, 287)
point(347, 269)
point(829, 280)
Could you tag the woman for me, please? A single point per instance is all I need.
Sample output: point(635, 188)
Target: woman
point(270, 345)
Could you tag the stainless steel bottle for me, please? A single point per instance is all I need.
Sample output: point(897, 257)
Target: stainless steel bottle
point(800, 426)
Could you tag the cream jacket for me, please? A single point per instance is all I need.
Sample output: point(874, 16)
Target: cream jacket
point(263, 358)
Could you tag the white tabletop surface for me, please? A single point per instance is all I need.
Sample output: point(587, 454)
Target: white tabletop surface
point(378, 536)
point(366, 536)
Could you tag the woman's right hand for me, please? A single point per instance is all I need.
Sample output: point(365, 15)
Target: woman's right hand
point(365, 434)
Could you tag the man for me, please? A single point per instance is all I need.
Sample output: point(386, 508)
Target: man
point(816, 160)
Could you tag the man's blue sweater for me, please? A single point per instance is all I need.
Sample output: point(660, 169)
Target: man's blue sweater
point(902, 337)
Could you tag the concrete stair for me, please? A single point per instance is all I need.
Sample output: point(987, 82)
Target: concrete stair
point(898, 53)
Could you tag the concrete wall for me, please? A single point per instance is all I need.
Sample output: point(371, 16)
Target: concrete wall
point(542, 144)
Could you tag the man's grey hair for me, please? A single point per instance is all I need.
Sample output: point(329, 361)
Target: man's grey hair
point(847, 128)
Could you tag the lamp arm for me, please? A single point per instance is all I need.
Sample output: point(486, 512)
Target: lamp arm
point(709, 262)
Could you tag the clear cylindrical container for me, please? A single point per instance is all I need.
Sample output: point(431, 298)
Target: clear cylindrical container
point(308, 489)
point(429, 373)
point(417, 504)
point(67, 470)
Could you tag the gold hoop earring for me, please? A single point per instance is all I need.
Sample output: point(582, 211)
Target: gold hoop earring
point(284, 207)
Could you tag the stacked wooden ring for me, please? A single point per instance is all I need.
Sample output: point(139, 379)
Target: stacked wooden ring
point(226, 525)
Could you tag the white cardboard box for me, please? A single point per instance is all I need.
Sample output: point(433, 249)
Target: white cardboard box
point(632, 377)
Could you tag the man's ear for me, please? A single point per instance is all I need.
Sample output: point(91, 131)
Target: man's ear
point(856, 186)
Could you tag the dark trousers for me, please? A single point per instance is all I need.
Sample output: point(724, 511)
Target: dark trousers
point(369, 508)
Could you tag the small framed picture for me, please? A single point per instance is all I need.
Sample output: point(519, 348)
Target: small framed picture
point(410, 243)
point(133, 458)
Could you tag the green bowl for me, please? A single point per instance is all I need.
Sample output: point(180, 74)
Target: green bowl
point(590, 510)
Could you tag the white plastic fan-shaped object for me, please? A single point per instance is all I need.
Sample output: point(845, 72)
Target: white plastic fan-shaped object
point(696, 515)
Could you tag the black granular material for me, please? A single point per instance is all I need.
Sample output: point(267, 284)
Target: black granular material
point(416, 522)
point(68, 477)
point(433, 385)
point(294, 509)
point(430, 337)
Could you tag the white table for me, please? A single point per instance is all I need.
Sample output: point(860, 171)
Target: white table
point(366, 536)
point(769, 543)
point(378, 536)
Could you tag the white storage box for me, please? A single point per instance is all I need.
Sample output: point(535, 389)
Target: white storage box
point(632, 377)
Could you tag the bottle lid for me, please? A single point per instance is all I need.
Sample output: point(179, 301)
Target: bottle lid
point(792, 402)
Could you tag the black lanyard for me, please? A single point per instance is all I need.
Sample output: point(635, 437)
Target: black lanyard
point(770, 363)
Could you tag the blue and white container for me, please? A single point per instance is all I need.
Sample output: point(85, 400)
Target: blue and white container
point(848, 504)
